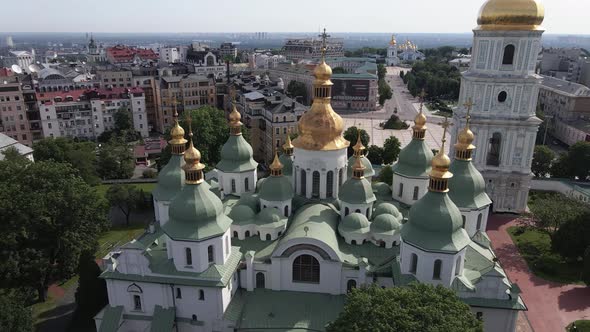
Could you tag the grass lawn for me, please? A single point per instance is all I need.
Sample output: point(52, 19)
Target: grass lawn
point(581, 326)
point(147, 187)
point(117, 236)
point(535, 247)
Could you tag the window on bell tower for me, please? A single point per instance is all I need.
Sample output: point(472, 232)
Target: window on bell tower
point(508, 58)
point(494, 150)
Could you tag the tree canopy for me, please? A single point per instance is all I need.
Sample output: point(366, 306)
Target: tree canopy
point(439, 79)
point(573, 237)
point(386, 175)
point(49, 215)
point(395, 123)
point(351, 135)
point(14, 315)
point(391, 149)
point(542, 158)
point(115, 159)
point(417, 307)
point(375, 154)
point(124, 197)
point(575, 164)
point(297, 89)
point(550, 213)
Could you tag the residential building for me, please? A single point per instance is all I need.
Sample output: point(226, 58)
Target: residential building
point(121, 54)
point(564, 63)
point(228, 49)
point(206, 61)
point(6, 142)
point(116, 78)
point(13, 112)
point(264, 60)
point(311, 48)
point(189, 91)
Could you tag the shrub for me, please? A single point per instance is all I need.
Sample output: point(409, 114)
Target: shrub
point(149, 173)
point(395, 123)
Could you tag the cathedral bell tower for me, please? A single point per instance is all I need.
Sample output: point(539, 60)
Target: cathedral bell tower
point(504, 88)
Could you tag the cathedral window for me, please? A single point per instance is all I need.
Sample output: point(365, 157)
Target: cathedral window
point(247, 234)
point(235, 234)
point(201, 295)
point(346, 211)
point(260, 282)
point(303, 182)
point(493, 158)
point(246, 184)
point(210, 256)
point(329, 184)
point(194, 318)
point(416, 190)
point(189, 256)
point(458, 266)
point(437, 269)
point(502, 96)
point(315, 184)
point(286, 211)
point(350, 284)
point(268, 237)
point(340, 177)
point(137, 302)
point(401, 189)
point(414, 264)
point(178, 293)
point(479, 222)
point(233, 185)
point(306, 268)
point(508, 57)
point(463, 217)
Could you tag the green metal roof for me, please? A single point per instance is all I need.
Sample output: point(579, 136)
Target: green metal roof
point(170, 179)
point(270, 217)
point(414, 160)
point(236, 156)
point(435, 224)
point(196, 214)
point(287, 164)
point(381, 189)
point(250, 200)
point(276, 188)
point(467, 187)
point(242, 215)
point(268, 310)
point(386, 208)
point(369, 171)
point(111, 319)
point(356, 191)
point(386, 224)
point(354, 223)
point(514, 304)
point(163, 319)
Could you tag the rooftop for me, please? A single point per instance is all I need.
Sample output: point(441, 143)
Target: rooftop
point(563, 86)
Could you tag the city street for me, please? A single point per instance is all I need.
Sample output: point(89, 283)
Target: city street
point(407, 108)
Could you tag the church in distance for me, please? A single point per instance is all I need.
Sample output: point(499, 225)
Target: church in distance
point(237, 253)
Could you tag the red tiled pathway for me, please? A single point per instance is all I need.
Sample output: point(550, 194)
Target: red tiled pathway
point(551, 305)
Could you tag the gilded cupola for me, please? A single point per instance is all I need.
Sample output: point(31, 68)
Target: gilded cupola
point(440, 175)
point(177, 140)
point(419, 128)
point(464, 147)
point(320, 128)
point(511, 15)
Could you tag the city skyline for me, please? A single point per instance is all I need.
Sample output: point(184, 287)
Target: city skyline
point(562, 16)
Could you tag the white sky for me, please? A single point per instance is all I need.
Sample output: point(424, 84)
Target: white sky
point(562, 16)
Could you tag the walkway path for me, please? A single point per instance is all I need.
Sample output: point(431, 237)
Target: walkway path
point(552, 306)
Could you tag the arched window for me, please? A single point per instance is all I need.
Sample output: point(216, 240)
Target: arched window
point(508, 58)
point(233, 185)
point(306, 269)
point(416, 190)
point(350, 284)
point(357, 210)
point(346, 211)
point(201, 295)
point(463, 217)
point(329, 184)
point(227, 245)
point(437, 268)
point(494, 150)
point(235, 234)
point(315, 188)
point(286, 210)
point(247, 234)
point(268, 237)
point(178, 293)
point(478, 227)
point(194, 318)
point(458, 266)
point(260, 282)
point(137, 302)
point(210, 60)
point(353, 242)
point(414, 263)
point(367, 213)
point(340, 177)
point(210, 257)
point(303, 183)
point(401, 189)
point(246, 184)
point(189, 256)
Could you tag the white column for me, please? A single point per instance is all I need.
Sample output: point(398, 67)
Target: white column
point(335, 183)
point(323, 188)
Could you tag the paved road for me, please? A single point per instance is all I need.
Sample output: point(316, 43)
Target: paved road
point(552, 306)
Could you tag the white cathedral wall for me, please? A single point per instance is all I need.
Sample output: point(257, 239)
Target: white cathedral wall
point(471, 217)
point(161, 211)
point(278, 204)
point(225, 182)
point(365, 209)
point(425, 267)
point(152, 295)
point(407, 194)
point(497, 319)
point(199, 252)
point(322, 162)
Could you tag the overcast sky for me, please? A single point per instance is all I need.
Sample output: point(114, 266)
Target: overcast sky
point(562, 16)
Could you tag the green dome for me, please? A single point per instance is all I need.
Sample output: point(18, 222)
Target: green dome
point(435, 224)
point(249, 200)
point(369, 171)
point(236, 156)
point(196, 214)
point(356, 191)
point(276, 189)
point(382, 189)
point(241, 213)
point(387, 208)
point(467, 187)
point(354, 222)
point(269, 216)
point(386, 223)
point(414, 160)
point(287, 164)
point(170, 179)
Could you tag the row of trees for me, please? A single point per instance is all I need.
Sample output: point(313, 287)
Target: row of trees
point(384, 89)
point(573, 164)
point(376, 154)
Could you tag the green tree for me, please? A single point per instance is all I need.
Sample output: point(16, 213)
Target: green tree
point(296, 89)
point(395, 123)
point(386, 175)
point(579, 160)
point(391, 149)
point(561, 167)
point(123, 197)
point(415, 308)
point(542, 158)
point(123, 120)
point(80, 155)
point(586, 271)
point(12, 154)
point(49, 215)
point(384, 92)
point(351, 135)
point(381, 71)
point(115, 160)
point(573, 237)
point(375, 154)
point(14, 315)
point(91, 294)
point(549, 213)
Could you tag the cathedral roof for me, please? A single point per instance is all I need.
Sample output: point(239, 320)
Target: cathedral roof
point(287, 164)
point(170, 179)
point(236, 156)
point(276, 189)
point(467, 186)
point(369, 171)
point(414, 159)
point(356, 191)
point(511, 15)
point(354, 223)
point(386, 224)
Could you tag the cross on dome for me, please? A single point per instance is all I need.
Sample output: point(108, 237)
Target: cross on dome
point(324, 37)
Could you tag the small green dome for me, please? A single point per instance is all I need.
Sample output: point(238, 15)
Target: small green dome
point(287, 164)
point(435, 224)
point(170, 179)
point(369, 171)
point(382, 189)
point(241, 213)
point(236, 156)
point(467, 187)
point(414, 160)
point(276, 189)
point(196, 213)
point(385, 223)
point(386, 208)
point(269, 216)
point(356, 191)
point(249, 200)
point(354, 222)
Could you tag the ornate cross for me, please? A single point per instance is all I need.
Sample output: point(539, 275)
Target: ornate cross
point(445, 125)
point(324, 37)
point(173, 101)
point(189, 120)
point(469, 104)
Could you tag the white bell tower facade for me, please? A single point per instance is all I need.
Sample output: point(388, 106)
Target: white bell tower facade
point(504, 88)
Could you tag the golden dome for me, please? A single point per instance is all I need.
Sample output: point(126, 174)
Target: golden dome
point(192, 155)
point(511, 15)
point(322, 71)
point(288, 144)
point(420, 120)
point(234, 115)
point(276, 164)
point(358, 147)
point(465, 136)
point(393, 42)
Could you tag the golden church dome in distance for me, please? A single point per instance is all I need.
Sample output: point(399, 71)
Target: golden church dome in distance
point(511, 15)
